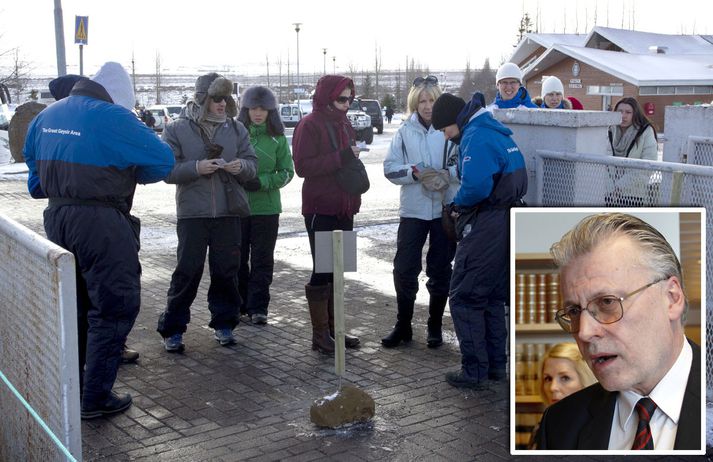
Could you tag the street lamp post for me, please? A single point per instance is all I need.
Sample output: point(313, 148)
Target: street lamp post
point(297, 77)
point(324, 62)
point(334, 64)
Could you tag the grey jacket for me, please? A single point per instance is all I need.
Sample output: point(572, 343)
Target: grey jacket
point(204, 196)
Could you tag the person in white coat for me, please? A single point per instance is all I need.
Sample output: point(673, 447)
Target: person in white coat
point(423, 163)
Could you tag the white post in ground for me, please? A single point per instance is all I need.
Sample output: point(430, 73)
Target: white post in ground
point(338, 285)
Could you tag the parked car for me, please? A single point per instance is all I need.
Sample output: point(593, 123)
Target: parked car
point(373, 108)
point(164, 113)
point(290, 114)
point(361, 123)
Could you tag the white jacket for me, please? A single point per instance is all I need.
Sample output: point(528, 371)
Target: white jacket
point(423, 147)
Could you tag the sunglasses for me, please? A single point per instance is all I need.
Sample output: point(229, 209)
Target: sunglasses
point(219, 99)
point(430, 80)
point(343, 99)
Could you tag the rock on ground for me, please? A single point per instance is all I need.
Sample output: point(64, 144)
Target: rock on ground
point(348, 405)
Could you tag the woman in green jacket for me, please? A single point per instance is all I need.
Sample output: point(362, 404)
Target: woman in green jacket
point(259, 231)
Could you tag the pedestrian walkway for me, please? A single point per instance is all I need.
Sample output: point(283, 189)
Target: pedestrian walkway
point(251, 401)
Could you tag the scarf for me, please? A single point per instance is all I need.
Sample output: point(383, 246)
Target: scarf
point(622, 141)
point(207, 121)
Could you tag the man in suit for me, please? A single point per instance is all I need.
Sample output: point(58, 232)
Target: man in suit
point(625, 305)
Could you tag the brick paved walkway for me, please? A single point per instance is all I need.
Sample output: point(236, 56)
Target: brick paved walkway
point(251, 401)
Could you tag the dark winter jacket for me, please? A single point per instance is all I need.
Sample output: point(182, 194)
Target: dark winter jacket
point(492, 168)
point(85, 147)
point(316, 159)
point(204, 196)
point(521, 100)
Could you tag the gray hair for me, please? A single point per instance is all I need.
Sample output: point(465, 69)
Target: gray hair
point(656, 253)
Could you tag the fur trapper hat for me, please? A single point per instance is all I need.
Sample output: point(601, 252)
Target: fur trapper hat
point(215, 85)
point(259, 97)
point(117, 83)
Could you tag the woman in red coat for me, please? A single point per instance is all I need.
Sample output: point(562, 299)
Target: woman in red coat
point(322, 143)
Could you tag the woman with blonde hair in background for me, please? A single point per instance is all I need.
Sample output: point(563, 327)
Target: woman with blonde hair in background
point(563, 371)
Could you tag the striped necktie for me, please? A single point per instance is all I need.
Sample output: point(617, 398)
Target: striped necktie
point(643, 439)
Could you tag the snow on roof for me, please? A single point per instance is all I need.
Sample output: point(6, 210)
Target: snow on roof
point(638, 69)
point(638, 42)
point(533, 41)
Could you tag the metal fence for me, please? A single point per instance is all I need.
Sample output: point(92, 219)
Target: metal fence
point(699, 150)
point(567, 179)
point(39, 379)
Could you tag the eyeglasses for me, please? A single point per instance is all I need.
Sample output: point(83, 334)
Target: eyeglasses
point(343, 99)
point(430, 80)
point(509, 83)
point(219, 99)
point(606, 309)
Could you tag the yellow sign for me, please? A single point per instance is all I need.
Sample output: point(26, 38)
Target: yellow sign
point(81, 30)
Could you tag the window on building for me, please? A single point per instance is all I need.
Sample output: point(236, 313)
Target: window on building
point(703, 90)
point(684, 90)
point(666, 90)
point(647, 91)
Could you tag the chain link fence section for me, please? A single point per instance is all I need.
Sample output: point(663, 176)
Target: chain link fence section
point(567, 179)
point(699, 151)
point(38, 348)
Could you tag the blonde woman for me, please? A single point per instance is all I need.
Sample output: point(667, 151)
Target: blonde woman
point(423, 164)
point(563, 371)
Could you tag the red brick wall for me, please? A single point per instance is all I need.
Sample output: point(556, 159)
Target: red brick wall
point(592, 76)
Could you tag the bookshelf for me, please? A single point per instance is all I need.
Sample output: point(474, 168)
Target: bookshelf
point(537, 299)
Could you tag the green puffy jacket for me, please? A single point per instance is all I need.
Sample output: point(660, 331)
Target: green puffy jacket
point(275, 169)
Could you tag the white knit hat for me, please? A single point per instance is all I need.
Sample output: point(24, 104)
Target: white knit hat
point(116, 81)
point(509, 71)
point(552, 85)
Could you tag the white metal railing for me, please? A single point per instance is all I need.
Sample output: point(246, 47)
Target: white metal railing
point(39, 376)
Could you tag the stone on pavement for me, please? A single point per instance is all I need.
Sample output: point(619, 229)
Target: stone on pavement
point(346, 406)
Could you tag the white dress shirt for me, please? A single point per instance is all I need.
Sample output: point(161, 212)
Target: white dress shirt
point(668, 396)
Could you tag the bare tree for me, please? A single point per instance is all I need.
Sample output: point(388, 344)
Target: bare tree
point(377, 70)
point(16, 75)
point(158, 77)
point(525, 27)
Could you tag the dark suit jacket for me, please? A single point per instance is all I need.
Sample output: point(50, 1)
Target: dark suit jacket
point(583, 420)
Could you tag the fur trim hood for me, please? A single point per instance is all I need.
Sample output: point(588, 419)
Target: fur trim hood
point(215, 85)
point(259, 96)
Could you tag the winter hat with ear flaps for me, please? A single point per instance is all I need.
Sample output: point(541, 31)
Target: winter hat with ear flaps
point(216, 85)
point(508, 71)
point(263, 97)
point(552, 85)
point(116, 81)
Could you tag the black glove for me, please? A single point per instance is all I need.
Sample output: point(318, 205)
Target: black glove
point(346, 155)
point(253, 184)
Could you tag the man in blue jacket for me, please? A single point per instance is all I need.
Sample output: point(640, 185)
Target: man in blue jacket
point(493, 179)
point(86, 153)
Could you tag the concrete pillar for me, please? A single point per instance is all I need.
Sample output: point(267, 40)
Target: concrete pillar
point(681, 122)
point(557, 130)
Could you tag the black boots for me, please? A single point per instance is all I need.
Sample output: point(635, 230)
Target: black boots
point(436, 306)
point(349, 341)
point(402, 333)
point(402, 330)
point(318, 301)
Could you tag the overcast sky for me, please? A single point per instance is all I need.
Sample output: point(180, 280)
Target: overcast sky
point(239, 36)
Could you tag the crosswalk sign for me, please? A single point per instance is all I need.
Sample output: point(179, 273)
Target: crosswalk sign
point(81, 30)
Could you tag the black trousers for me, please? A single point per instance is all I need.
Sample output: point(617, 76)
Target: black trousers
point(257, 261)
point(108, 289)
point(411, 238)
point(314, 223)
point(195, 236)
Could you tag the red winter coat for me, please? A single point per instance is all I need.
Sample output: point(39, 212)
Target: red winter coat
point(314, 155)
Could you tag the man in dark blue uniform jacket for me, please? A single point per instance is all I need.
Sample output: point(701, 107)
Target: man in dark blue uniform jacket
point(86, 153)
point(493, 179)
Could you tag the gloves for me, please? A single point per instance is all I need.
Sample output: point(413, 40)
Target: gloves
point(253, 184)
